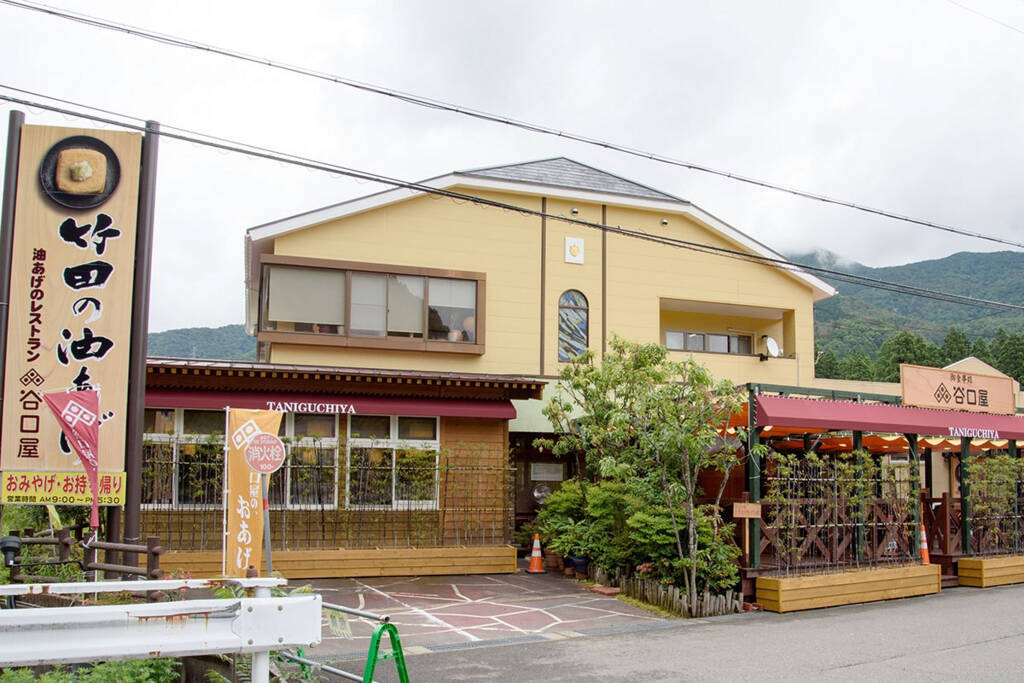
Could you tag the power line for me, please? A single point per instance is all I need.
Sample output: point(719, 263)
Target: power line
point(441, 105)
point(985, 16)
point(281, 157)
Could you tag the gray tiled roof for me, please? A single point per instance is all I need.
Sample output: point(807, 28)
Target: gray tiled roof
point(562, 172)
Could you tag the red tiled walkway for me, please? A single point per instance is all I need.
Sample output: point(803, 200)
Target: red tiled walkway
point(444, 612)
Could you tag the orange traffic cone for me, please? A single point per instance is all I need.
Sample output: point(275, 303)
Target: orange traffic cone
point(925, 558)
point(536, 559)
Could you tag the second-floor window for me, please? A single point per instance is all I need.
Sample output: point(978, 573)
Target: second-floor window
point(358, 303)
point(679, 340)
point(573, 324)
point(305, 300)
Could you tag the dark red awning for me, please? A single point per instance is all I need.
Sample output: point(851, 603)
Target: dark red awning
point(315, 403)
point(780, 411)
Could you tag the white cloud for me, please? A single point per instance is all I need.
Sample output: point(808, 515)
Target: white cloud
point(912, 107)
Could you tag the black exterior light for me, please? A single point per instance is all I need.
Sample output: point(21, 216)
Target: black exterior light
point(10, 546)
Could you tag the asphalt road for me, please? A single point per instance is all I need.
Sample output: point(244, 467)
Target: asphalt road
point(960, 634)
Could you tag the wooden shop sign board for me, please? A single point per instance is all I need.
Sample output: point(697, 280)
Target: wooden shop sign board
point(746, 511)
point(955, 390)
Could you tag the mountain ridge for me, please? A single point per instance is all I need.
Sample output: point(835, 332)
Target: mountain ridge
point(858, 319)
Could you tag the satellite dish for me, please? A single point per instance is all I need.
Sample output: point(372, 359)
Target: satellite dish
point(772, 346)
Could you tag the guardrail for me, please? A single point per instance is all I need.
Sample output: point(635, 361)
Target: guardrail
point(254, 625)
point(257, 625)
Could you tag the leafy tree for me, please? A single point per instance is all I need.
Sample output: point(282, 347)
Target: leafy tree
point(827, 365)
point(981, 351)
point(956, 346)
point(904, 347)
point(856, 366)
point(652, 424)
point(1001, 339)
point(1009, 357)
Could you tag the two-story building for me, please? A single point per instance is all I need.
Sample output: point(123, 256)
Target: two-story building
point(408, 335)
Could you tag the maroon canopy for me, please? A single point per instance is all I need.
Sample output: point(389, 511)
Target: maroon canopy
point(326, 403)
point(781, 411)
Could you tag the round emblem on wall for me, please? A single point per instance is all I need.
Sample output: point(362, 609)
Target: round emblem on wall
point(80, 172)
point(264, 453)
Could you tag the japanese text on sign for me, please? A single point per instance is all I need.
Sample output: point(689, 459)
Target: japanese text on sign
point(956, 390)
point(60, 488)
point(71, 286)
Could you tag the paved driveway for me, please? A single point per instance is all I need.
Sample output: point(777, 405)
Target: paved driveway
point(436, 613)
point(961, 634)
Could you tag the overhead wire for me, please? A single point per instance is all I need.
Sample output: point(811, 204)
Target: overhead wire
point(441, 105)
point(986, 16)
point(282, 157)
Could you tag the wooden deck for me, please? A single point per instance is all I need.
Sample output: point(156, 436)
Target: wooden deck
point(329, 564)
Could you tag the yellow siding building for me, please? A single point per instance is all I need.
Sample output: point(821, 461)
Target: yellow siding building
point(636, 261)
point(512, 271)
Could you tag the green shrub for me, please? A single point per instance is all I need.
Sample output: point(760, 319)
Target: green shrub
point(623, 526)
point(159, 670)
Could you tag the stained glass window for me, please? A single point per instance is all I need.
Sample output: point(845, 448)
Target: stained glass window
point(573, 324)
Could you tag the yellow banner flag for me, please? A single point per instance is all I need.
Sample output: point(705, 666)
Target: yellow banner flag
point(243, 511)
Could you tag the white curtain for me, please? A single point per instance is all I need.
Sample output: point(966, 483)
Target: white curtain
point(306, 295)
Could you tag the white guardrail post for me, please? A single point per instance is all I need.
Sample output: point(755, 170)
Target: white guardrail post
point(63, 635)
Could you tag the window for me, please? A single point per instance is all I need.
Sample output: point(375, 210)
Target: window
point(369, 304)
point(452, 309)
point(422, 428)
point(182, 457)
point(392, 462)
point(314, 426)
point(200, 469)
point(370, 427)
point(718, 343)
point(310, 472)
point(305, 300)
point(705, 341)
point(380, 305)
point(370, 481)
point(390, 305)
point(157, 472)
point(405, 306)
point(199, 458)
point(740, 343)
point(203, 422)
point(573, 330)
point(307, 480)
point(158, 421)
point(183, 460)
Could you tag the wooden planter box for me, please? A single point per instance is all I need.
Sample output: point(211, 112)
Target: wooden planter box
point(865, 585)
point(982, 572)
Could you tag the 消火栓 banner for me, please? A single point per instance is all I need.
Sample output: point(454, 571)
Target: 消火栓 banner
point(243, 500)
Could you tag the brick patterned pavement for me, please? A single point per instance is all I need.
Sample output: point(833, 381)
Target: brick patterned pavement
point(437, 613)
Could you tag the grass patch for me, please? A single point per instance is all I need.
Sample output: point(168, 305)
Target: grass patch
point(657, 611)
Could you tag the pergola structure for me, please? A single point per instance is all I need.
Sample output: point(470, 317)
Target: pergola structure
point(791, 419)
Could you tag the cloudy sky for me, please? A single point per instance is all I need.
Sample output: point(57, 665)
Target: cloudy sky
point(911, 106)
